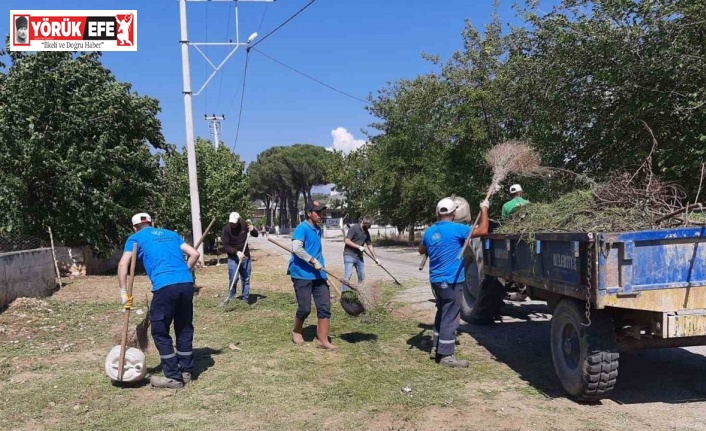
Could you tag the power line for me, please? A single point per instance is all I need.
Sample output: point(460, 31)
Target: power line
point(263, 17)
point(282, 25)
point(242, 97)
point(314, 79)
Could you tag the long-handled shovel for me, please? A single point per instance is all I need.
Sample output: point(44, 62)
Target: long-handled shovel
point(350, 286)
point(384, 269)
point(126, 318)
point(353, 309)
point(236, 274)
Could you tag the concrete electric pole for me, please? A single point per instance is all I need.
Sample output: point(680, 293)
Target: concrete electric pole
point(215, 127)
point(188, 113)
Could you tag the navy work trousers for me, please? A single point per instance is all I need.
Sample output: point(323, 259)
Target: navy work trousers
point(448, 310)
point(174, 303)
point(304, 290)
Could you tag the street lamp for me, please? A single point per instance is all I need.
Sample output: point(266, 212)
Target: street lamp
point(252, 38)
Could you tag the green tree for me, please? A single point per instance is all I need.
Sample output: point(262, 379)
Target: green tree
point(222, 183)
point(591, 82)
point(74, 149)
point(281, 174)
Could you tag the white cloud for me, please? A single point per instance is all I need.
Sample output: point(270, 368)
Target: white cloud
point(344, 141)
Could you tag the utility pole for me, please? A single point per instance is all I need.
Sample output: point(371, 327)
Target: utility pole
point(215, 126)
point(188, 112)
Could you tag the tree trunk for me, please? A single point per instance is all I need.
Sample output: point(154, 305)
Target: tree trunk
point(268, 211)
point(294, 208)
point(411, 234)
point(283, 210)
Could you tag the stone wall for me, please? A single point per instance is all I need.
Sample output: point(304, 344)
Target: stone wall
point(28, 273)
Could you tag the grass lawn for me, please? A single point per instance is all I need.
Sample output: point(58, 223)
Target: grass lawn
point(52, 354)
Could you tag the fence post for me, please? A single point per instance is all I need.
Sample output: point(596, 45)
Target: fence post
point(53, 253)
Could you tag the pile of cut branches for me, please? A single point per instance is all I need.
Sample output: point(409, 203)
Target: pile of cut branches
point(627, 202)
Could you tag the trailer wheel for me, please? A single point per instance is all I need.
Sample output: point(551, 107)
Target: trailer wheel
point(585, 357)
point(482, 295)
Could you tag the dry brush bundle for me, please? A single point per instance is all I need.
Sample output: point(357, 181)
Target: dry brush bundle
point(517, 157)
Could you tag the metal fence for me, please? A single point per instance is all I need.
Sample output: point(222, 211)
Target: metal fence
point(10, 242)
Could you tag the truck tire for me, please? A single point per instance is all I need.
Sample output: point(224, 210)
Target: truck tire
point(482, 295)
point(585, 357)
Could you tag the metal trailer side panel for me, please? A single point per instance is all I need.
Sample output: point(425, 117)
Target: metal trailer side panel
point(660, 270)
point(553, 262)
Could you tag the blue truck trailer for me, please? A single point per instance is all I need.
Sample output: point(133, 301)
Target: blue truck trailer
point(607, 292)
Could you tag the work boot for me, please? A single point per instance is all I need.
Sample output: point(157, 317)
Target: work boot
point(322, 328)
point(297, 337)
point(186, 377)
point(453, 362)
point(165, 382)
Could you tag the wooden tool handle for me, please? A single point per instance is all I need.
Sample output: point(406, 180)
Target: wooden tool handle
point(203, 237)
point(424, 262)
point(322, 269)
point(126, 317)
point(468, 240)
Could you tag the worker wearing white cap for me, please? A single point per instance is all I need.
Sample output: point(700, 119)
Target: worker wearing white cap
point(162, 254)
point(443, 242)
point(516, 202)
point(233, 237)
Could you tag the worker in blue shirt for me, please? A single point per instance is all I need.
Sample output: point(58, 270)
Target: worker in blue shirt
point(162, 254)
point(305, 270)
point(442, 242)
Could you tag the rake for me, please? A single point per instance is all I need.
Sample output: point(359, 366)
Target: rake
point(236, 274)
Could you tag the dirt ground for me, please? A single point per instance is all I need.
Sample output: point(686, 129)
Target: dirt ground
point(510, 385)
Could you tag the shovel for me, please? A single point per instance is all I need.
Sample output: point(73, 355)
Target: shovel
point(351, 308)
point(350, 286)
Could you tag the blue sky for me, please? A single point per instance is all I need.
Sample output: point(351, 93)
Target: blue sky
point(355, 46)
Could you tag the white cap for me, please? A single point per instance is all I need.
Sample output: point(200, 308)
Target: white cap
point(446, 206)
point(515, 188)
point(234, 217)
point(140, 218)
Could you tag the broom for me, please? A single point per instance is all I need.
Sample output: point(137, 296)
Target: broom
point(367, 295)
point(515, 157)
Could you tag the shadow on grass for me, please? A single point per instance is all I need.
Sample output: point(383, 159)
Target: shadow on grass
point(254, 297)
point(421, 341)
point(309, 333)
point(203, 360)
point(357, 337)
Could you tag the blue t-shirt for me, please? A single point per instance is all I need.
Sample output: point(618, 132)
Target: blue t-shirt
point(311, 236)
point(444, 241)
point(160, 253)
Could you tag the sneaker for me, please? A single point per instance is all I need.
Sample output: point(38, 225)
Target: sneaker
point(186, 377)
point(432, 353)
point(453, 362)
point(165, 382)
